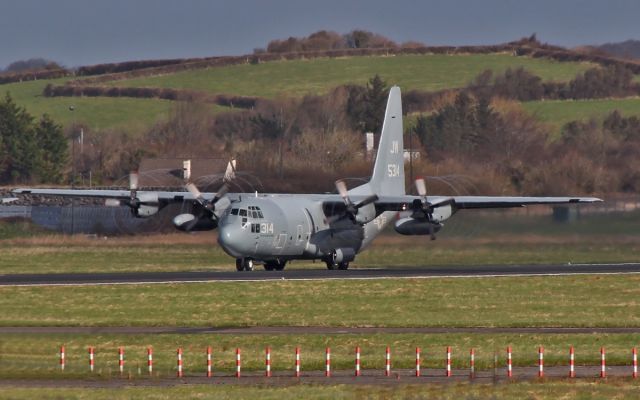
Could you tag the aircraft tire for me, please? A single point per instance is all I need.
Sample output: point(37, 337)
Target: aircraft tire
point(331, 265)
point(280, 265)
point(270, 266)
point(244, 264)
point(343, 265)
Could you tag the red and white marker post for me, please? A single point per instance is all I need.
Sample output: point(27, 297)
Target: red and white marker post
point(357, 360)
point(572, 368)
point(472, 363)
point(297, 372)
point(509, 367)
point(179, 362)
point(603, 363)
point(61, 358)
point(209, 371)
point(417, 361)
point(327, 362)
point(387, 361)
point(238, 363)
point(121, 359)
point(91, 358)
point(267, 362)
point(448, 372)
point(540, 362)
point(634, 359)
point(150, 360)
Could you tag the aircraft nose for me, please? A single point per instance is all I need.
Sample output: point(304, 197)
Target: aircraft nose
point(232, 239)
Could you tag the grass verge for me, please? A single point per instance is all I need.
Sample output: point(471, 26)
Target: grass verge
point(592, 390)
point(579, 301)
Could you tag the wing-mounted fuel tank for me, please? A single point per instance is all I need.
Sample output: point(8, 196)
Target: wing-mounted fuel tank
point(190, 223)
point(413, 226)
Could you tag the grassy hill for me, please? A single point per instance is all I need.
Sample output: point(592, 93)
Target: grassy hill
point(300, 77)
point(556, 113)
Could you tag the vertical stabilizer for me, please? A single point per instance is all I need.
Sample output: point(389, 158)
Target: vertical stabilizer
point(388, 171)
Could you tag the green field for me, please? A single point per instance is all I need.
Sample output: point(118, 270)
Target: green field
point(95, 112)
point(316, 76)
point(556, 113)
point(580, 301)
point(591, 390)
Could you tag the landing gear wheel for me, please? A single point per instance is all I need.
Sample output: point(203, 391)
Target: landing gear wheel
point(244, 264)
point(343, 265)
point(280, 265)
point(269, 267)
point(331, 265)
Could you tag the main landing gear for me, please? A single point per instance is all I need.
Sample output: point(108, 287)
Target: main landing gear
point(244, 264)
point(334, 265)
point(247, 264)
point(274, 265)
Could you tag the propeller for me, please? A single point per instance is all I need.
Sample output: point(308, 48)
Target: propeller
point(423, 205)
point(351, 210)
point(207, 207)
point(133, 200)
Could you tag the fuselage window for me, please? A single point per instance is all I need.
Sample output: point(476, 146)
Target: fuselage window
point(234, 211)
point(243, 212)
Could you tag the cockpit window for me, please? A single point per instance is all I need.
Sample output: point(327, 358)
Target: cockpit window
point(254, 214)
point(243, 212)
point(260, 214)
point(234, 211)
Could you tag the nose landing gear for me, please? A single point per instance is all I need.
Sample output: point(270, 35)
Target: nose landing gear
point(244, 264)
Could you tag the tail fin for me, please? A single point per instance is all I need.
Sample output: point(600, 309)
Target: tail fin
point(388, 171)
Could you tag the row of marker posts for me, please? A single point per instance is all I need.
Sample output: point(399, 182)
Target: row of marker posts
point(387, 369)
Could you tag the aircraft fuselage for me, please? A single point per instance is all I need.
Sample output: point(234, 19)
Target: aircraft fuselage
point(286, 227)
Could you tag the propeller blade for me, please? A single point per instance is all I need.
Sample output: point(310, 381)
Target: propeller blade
point(191, 188)
point(221, 193)
point(342, 189)
point(133, 181)
point(421, 187)
point(112, 203)
point(368, 200)
point(431, 232)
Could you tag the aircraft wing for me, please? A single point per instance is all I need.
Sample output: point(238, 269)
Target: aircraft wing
point(110, 194)
point(402, 203)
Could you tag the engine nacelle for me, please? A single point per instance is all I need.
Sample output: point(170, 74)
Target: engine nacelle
point(148, 205)
point(190, 223)
point(366, 214)
point(343, 255)
point(411, 226)
point(442, 213)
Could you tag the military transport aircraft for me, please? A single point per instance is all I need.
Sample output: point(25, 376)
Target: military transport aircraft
point(272, 229)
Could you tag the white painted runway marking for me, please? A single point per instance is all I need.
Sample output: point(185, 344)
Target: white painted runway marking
point(363, 278)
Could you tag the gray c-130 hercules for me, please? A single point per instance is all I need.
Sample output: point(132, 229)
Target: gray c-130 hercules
point(272, 229)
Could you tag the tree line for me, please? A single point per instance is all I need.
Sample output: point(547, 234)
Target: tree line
point(31, 151)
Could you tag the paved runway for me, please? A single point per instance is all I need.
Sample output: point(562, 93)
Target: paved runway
point(313, 274)
point(340, 377)
point(305, 330)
